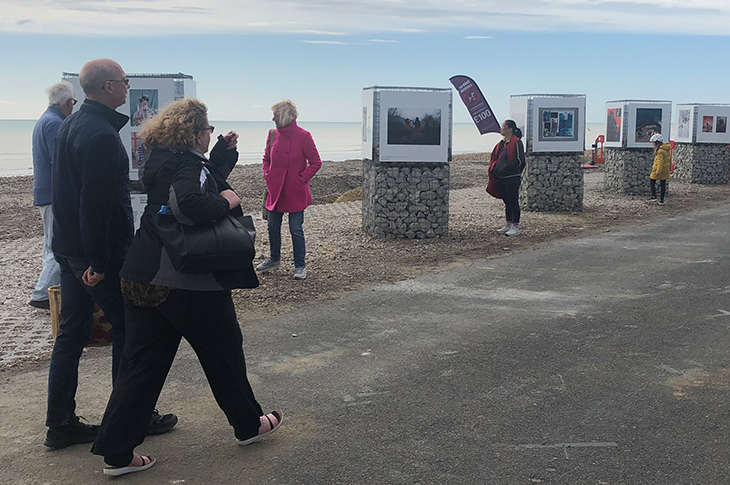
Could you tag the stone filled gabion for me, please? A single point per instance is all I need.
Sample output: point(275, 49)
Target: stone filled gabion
point(627, 170)
point(405, 200)
point(702, 163)
point(552, 182)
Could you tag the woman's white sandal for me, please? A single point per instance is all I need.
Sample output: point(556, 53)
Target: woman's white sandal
point(269, 423)
point(147, 462)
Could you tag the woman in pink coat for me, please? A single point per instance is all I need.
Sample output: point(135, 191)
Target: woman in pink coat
point(290, 161)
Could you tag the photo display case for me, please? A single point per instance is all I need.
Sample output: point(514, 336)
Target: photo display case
point(631, 123)
point(703, 123)
point(148, 93)
point(552, 122)
point(402, 124)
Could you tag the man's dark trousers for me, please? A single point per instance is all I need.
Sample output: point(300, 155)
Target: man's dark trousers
point(77, 303)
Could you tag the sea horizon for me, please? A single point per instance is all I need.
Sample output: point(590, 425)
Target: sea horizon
point(336, 141)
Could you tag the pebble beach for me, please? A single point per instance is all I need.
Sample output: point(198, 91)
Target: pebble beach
point(340, 257)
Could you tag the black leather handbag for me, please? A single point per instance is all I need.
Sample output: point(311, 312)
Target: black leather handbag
point(223, 245)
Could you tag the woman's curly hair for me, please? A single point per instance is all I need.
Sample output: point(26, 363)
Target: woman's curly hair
point(176, 126)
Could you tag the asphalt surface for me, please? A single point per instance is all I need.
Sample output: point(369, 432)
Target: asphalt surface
point(602, 360)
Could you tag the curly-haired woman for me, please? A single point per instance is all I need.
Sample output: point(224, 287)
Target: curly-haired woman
point(163, 305)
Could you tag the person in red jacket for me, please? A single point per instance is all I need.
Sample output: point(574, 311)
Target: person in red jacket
point(505, 169)
point(290, 161)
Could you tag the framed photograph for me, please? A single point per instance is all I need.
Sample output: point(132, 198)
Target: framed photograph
point(616, 120)
point(707, 122)
point(143, 105)
point(648, 123)
point(558, 124)
point(613, 125)
point(684, 124)
point(138, 150)
point(721, 124)
point(414, 126)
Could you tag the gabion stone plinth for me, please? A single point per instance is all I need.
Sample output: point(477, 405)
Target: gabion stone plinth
point(405, 200)
point(702, 163)
point(627, 170)
point(552, 182)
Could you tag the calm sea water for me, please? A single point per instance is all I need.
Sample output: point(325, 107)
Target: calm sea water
point(335, 141)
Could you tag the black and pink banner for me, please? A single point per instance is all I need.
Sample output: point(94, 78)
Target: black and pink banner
point(476, 103)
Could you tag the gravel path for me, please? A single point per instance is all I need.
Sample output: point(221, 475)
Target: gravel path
point(340, 258)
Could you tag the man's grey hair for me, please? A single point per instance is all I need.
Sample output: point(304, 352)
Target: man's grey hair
point(93, 78)
point(60, 93)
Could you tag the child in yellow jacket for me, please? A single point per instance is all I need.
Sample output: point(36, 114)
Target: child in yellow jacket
point(660, 169)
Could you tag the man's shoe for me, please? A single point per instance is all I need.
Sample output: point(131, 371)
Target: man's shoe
point(44, 304)
point(160, 424)
point(652, 199)
point(300, 273)
point(268, 265)
point(513, 231)
point(504, 228)
point(73, 433)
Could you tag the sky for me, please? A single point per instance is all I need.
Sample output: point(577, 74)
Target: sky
point(246, 55)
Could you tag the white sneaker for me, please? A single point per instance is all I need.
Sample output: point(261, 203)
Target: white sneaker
point(300, 273)
point(505, 228)
point(268, 265)
point(513, 231)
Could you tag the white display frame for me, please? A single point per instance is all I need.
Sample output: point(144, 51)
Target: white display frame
point(631, 109)
point(169, 89)
point(622, 127)
point(690, 123)
point(712, 111)
point(537, 104)
point(518, 112)
point(367, 124)
point(415, 100)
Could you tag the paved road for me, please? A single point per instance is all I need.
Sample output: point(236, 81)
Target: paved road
point(601, 360)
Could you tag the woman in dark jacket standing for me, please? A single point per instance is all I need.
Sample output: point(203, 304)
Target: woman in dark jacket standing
point(505, 170)
point(163, 305)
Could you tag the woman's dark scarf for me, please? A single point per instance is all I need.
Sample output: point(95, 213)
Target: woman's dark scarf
point(494, 158)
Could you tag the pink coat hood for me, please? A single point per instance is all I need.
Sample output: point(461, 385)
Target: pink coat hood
point(289, 164)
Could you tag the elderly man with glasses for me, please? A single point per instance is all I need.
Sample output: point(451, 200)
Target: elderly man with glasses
point(93, 228)
point(61, 103)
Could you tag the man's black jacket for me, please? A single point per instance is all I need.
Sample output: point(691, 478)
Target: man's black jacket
point(92, 210)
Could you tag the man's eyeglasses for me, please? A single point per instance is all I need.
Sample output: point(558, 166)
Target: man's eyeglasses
point(125, 81)
point(74, 101)
point(210, 128)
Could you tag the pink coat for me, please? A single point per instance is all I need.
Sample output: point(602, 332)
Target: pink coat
point(288, 167)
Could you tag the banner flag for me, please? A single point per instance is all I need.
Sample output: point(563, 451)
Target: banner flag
point(477, 104)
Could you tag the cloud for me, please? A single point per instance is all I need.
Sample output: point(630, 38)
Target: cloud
point(477, 37)
point(358, 17)
point(384, 41)
point(331, 42)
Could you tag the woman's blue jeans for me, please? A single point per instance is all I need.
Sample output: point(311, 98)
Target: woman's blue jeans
point(296, 220)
